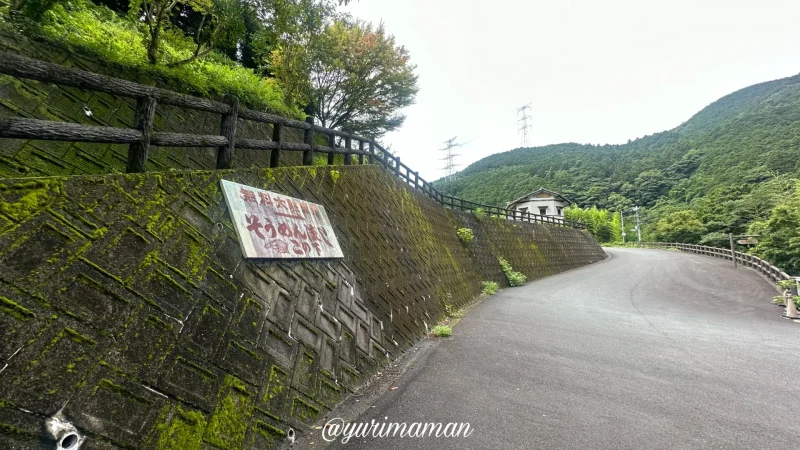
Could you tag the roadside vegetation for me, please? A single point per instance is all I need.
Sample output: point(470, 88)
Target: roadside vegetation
point(290, 57)
point(514, 278)
point(465, 235)
point(442, 331)
point(489, 287)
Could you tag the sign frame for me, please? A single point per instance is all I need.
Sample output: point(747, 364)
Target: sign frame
point(271, 225)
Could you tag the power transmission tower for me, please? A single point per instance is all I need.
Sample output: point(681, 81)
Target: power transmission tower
point(450, 157)
point(525, 127)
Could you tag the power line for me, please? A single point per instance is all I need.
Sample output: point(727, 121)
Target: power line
point(526, 127)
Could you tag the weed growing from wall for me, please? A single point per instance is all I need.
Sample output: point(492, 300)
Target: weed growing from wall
point(514, 278)
point(442, 331)
point(465, 234)
point(489, 287)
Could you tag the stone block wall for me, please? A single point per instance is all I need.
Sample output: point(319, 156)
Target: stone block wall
point(127, 309)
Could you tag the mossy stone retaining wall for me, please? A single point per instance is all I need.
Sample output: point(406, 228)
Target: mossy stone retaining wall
point(126, 305)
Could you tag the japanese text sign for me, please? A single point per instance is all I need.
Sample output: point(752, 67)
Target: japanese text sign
point(272, 225)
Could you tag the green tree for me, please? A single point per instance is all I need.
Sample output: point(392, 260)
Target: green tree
point(618, 202)
point(353, 76)
point(599, 222)
point(616, 227)
point(780, 236)
point(156, 14)
point(680, 226)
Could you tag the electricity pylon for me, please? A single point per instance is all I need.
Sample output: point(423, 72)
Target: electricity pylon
point(450, 157)
point(526, 127)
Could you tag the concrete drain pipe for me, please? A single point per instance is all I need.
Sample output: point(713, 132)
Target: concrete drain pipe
point(64, 434)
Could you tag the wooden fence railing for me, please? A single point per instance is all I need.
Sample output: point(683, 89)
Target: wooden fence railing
point(142, 136)
point(770, 271)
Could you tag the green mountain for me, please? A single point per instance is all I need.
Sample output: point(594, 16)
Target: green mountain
point(730, 164)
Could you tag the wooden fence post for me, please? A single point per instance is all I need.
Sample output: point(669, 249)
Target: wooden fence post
point(228, 129)
point(277, 137)
point(348, 144)
point(143, 121)
point(308, 138)
point(331, 144)
point(371, 153)
point(361, 146)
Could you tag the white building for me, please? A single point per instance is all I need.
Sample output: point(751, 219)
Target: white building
point(541, 202)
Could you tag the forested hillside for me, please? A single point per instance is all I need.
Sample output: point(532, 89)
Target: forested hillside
point(724, 170)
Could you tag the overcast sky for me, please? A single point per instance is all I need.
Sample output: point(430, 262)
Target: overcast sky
point(594, 71)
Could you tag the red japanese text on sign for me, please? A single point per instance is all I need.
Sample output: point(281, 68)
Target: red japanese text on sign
point(272, 225)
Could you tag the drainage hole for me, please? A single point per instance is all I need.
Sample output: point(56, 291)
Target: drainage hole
point(69, 441)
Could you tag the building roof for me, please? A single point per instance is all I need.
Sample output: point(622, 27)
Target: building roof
point(553, 193)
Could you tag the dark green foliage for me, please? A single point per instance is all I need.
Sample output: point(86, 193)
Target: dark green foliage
point(780, 237)
point(102, 34)
point(730, 165)
point(217, 47)
point(680, 226)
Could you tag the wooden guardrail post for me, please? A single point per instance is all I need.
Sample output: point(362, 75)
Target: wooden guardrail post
point(277, 137)
point(308, 138)
point(348, 144)
point(361, 146)
point(227, 129)
point(331, 144)
point(143, 121)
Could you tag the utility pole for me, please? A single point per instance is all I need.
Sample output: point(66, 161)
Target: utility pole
point(638, 227)
point(526, 127)
point(450, 157)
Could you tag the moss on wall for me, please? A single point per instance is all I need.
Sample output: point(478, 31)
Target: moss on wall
point(137, 282)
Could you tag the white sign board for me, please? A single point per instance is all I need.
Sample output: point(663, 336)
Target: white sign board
point(272, 225)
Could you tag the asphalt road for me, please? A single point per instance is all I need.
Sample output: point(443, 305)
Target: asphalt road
point(651, 349)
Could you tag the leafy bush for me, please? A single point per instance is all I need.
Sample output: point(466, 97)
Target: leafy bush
point(465, 234)
point(489, 287)
point(604, 225)
point(514, 278)
point(480, 213)
point(715, 239)
point(101, 32)
point(680, 226)
point(442, 331)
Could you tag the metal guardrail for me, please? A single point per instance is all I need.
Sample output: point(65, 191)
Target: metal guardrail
point(766, 268)
point(143, 135)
